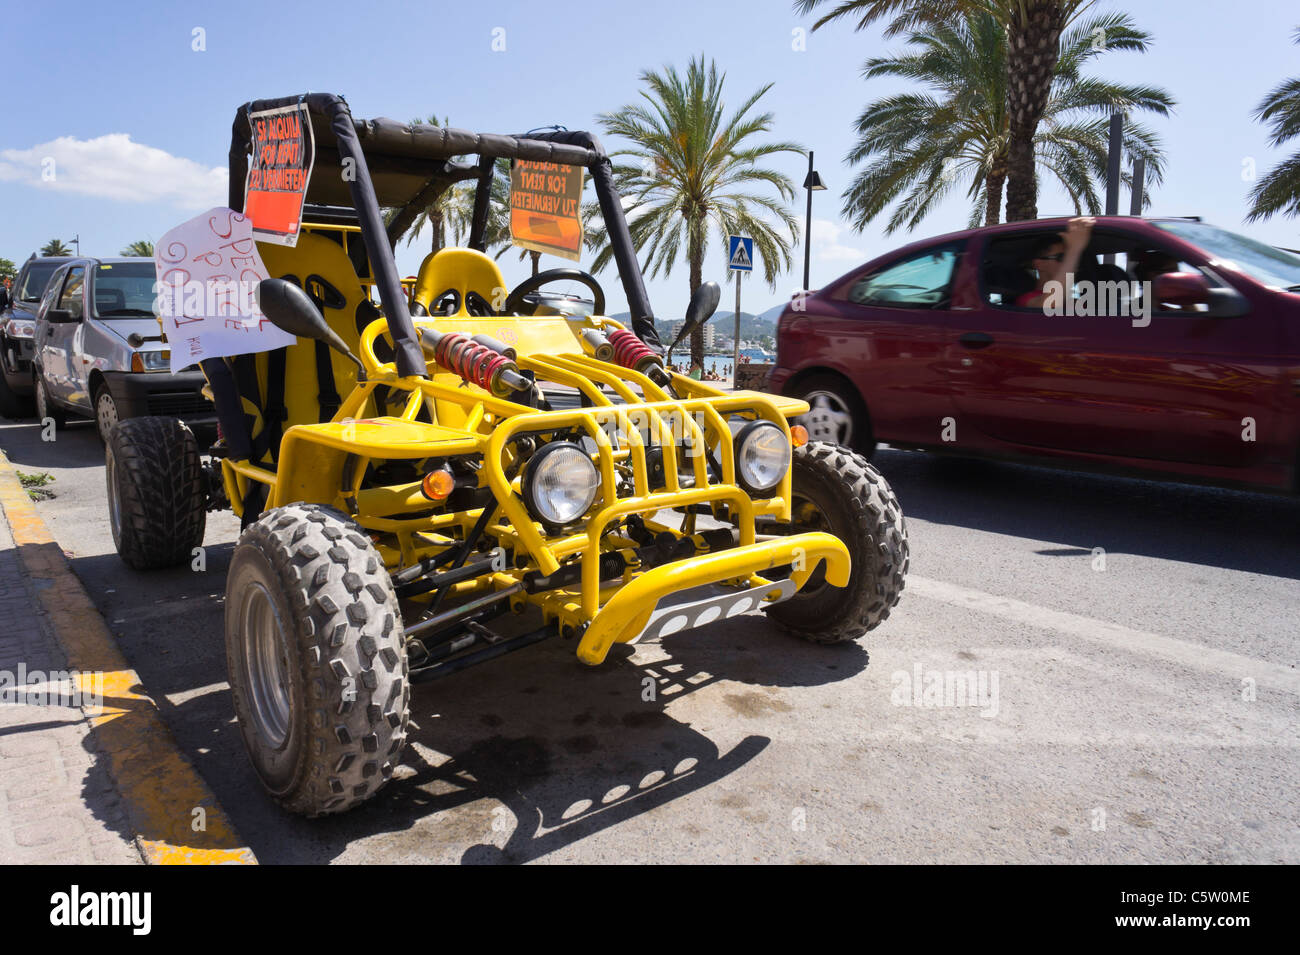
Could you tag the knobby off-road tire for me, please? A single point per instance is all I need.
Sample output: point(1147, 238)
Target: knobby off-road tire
point(316, 654)
point(848, 498)
point(157, 506)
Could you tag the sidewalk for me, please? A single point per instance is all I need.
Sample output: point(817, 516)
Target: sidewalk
point(57, 802)
point(89, 772)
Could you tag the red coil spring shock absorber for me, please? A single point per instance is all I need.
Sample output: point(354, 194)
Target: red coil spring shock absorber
point(476, 363)
point(631, 352)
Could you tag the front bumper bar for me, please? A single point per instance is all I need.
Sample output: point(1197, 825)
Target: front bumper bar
point(161, 393)
point(631, 612)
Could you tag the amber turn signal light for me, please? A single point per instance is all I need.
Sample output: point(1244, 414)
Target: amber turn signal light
point(798, 435)
point(437, 485)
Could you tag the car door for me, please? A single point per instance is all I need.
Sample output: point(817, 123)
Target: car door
point(1160, 386)
point(886, 329)
point(62, 338)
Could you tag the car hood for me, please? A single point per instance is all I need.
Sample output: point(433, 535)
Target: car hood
point(124, 328)
point(23, 311)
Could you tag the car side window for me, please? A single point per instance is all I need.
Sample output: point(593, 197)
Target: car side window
point(73, 296)
point(922, 280)
point(51, 292)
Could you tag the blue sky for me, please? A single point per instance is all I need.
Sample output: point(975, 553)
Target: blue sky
point(88, 70)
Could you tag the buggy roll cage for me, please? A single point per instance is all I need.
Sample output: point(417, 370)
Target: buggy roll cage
point(406, 166)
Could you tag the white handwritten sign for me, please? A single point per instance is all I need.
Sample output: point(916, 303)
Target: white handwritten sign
point(208, 270)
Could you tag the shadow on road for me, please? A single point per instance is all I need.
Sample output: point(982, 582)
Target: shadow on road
point(1234, 530)
point(527, 755)
point(77, 446)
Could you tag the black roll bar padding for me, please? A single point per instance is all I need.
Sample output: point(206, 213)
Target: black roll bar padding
point(409, 355)
point(482, 202)
point(230, 414)
point(412, 147)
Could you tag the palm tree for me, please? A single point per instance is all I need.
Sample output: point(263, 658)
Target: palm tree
point(1033, 29)
point(140, 247)
point(1279, 191)
point(921, 145)
point(695, 166)
point(55, 247)
point(450, 213)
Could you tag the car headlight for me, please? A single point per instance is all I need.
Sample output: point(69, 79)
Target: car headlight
point(560, 483)
point(762, 456)
point(150, 361)
point(19, 329)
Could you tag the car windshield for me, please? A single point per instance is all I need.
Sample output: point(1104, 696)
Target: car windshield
point(1261, 262)
point(34, 282)
point(124, 289)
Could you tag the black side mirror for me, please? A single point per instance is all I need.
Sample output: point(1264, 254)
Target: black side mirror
point(59, 315)
point(700, 309)
point(290, 309)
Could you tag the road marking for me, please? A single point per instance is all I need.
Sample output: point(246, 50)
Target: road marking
point(1169, 649)
point(161, 791)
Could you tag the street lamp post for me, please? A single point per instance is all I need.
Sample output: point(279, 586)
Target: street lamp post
point(812, 183)
point(76, 240)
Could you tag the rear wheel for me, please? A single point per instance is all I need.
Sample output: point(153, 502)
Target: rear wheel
point(157, 507)
point(839, 492)
point(45, 408)
point(317, 659)
point(837, 415)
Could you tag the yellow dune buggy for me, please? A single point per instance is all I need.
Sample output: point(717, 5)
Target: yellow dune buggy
point(407, 476)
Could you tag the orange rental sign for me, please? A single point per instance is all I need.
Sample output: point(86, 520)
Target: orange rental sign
point(545, 207)
point(283, 152)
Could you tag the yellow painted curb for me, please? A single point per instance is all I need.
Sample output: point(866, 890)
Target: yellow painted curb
point(162, 794)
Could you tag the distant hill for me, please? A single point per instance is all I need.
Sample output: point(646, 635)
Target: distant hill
point(752, 326)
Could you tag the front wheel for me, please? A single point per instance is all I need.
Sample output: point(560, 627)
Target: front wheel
point(838, 491)
point(157, 506)
point(836, 414)
point(316, 654)
point(106, 416)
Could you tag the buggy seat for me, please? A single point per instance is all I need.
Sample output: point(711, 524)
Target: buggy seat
point(304, 382)
point(471, 278)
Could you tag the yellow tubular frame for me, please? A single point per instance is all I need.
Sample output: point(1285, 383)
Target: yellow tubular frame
point(604, 612)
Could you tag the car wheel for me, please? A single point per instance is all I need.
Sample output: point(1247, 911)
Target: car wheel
point(837, 415)
point(106, 416)
point(45, 408)
point(157, 505)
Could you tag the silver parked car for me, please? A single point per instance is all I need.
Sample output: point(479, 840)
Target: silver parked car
point(17, 332)
point(100, 353)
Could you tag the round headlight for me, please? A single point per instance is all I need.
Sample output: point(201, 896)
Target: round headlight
point(762, 456)
point(560, 483)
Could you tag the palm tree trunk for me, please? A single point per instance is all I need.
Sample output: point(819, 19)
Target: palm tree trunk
point(696, 255)
point(1033, 47)
point(993, 186)
point(436, 221)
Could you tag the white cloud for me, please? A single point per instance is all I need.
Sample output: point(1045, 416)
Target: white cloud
point(827, 245)
point(115, 167)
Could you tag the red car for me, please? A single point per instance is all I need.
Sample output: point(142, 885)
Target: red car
point(1176, 353)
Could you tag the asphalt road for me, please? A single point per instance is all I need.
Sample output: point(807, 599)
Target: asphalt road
point(1140, 703)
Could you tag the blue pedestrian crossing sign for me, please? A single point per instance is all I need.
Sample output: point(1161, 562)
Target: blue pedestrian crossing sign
point(740, 253)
